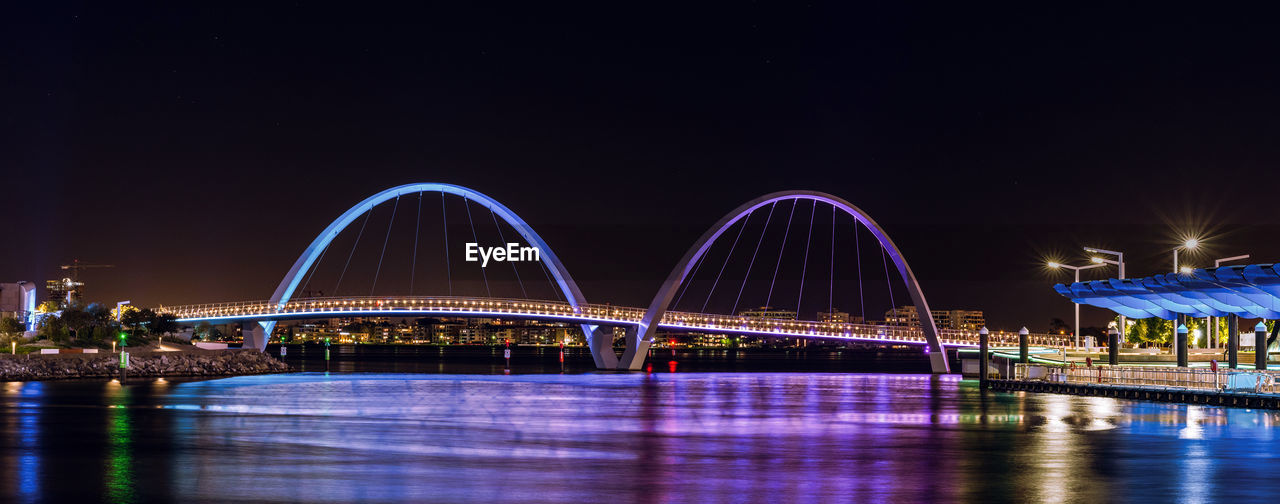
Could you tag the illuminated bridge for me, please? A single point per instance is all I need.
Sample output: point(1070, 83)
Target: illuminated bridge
point(787, 249)
point(559, 311)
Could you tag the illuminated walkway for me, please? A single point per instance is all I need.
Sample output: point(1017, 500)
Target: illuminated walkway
point(560, 311)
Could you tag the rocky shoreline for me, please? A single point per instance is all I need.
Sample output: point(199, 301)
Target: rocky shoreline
point(142, 363)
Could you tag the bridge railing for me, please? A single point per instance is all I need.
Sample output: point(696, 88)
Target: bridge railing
point(1260, 381)
point(500, 307)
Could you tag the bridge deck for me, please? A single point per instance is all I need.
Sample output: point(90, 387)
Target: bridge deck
point(452, 306)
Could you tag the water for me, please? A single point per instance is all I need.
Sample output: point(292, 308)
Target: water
point(682, 437)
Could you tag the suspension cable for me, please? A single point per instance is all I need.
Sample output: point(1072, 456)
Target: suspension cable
point(889, 282)
point(417, 230)
point(781, 251)
point(753, 257)
point(726, 261)
point(448, 270)
point(543, 265)
point(512, 263)
point(385, 239)
point(805, 268)
point(831, 280)
point(466, 203)
point(862, 301)
point(688, 280)
point(315, 267)
point(353, 251)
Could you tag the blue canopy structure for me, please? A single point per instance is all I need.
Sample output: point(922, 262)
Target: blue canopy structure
point(1251, 291)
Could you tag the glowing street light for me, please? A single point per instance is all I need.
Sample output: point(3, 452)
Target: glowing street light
point(1076, 269)
point(1119, 262)
point(1189, 244)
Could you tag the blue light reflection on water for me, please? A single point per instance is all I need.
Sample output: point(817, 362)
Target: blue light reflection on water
point(737, 437)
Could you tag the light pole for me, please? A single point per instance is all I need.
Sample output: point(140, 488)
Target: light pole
point(1190, 244)
point(1119, 262)
point(1076, 269)
point(1213, 326)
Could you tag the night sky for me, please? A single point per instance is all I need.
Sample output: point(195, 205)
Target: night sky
point(201, 148)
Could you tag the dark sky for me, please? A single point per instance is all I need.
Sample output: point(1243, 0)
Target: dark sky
point(200, 148)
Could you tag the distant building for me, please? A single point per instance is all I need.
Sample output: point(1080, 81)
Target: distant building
point(964, 320)
point(838, 317)
point(18, 300)
point(769, 312)
point(64, 292)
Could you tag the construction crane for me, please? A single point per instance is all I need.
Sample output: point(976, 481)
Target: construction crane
point(67, 289)
point(75, 268)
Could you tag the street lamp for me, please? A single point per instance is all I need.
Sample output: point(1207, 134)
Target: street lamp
point(1119, 262)
point(1218, 262)
point(1076, 269)
point(1213, 326)
point(1190, 244)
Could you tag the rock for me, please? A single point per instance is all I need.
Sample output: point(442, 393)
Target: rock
point(142, 364)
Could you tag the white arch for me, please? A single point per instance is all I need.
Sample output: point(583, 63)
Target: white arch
point(638, 342)
point(570, 288)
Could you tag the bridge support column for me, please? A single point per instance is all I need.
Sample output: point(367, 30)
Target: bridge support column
point(633, 357)
point(1260, 345)
point(938, 361)
point(600, 340)
point(256, 334)
point(1233, 341)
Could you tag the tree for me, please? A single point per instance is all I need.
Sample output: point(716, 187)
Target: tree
point(101, 314)
point(105, 334)
point(53, 329)
point(11, 329)
point(203, 330)
point(161, 323)
point(136, 320)
point(77, 320)
point(11, 325)
point(1150, 330)
point(1060, 326)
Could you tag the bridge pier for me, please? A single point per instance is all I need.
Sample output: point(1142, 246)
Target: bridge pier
point(600, 341)
point(635, 353)
point(256, 334)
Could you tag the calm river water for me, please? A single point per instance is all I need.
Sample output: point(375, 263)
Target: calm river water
point(669, 437)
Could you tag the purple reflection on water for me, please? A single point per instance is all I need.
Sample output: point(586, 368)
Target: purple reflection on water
point(687, 437)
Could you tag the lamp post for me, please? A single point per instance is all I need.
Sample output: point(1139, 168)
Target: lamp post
point(1119, 262)
point(1076, 269)
point(1190, 244)
point(1213, 326)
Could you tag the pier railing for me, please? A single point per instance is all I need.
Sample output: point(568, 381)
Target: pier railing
point(1238, 380)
